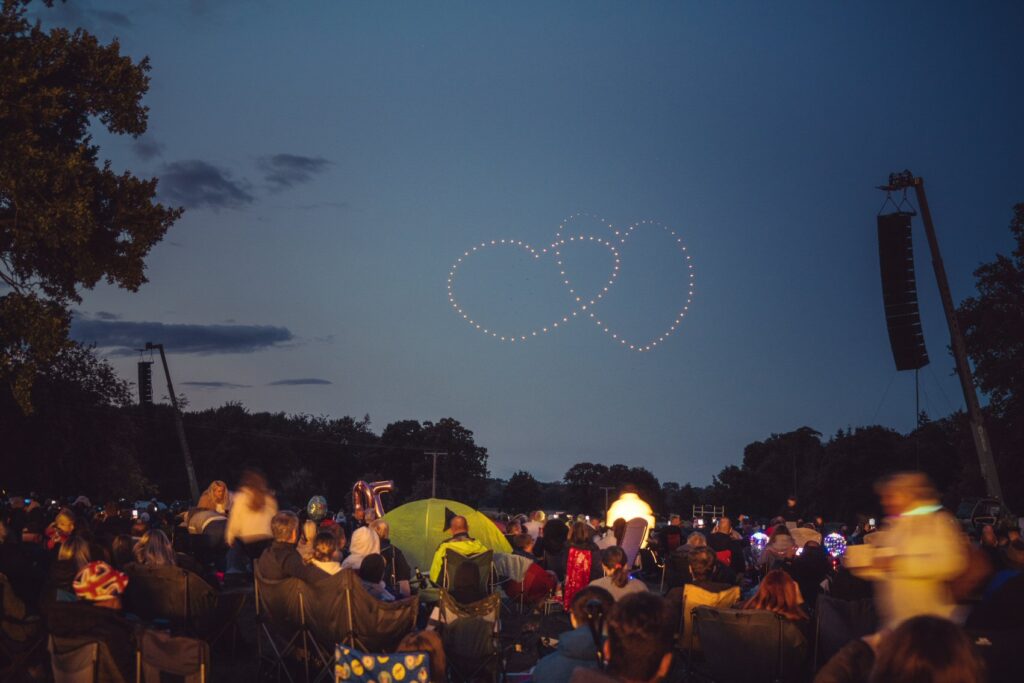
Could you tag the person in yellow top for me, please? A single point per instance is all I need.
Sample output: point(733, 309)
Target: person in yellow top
point(460, 542)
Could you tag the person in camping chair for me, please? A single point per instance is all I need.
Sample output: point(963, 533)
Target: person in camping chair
point(460, 542)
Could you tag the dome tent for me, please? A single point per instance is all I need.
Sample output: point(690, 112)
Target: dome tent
point(420, 526)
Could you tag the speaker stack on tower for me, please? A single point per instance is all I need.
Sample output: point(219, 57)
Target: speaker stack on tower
point(899, 291)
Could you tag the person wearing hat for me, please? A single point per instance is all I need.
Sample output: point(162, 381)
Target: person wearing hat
point(371, 573)
point(96, 614)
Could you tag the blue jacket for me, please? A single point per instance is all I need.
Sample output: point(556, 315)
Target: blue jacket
point(575, 649)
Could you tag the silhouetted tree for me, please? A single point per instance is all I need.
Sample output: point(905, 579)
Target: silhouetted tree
point(521, 494)
point(66, 221)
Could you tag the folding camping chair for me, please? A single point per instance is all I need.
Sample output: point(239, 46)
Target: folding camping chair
point(170, 594)
point(837, 622)
point(694, 597)
point(361, 620)
point(632, 540)
point(283, 629)
point(82, 660)
point(159, 653)
point(21, 634)
point(471, 637)
point(484, 562)
point(774, 650)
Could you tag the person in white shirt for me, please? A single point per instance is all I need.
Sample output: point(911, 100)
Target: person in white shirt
point(616, 579)
point(365, 541)
point(536, 524)
point(251, 511)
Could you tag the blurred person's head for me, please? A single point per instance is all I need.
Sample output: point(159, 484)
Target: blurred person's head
point(372, 568)
point(75, 549)
point(724, 526)
point(780, 594)
point(256, 484)
point(514, 528)
point(538, 516)
point(583, 608)
point(430, 643)
point(928, 649)
point(325, 545)
point(581, 536)
point(988, 535)
point(702, 563)
point(382, 528)
point(639, 643)
point(675, 520)
point(904, 491)
point(459, 525)
point(284, 526)
point(65, 521)
point(523, 543)
point(619, 530)
point(154, 549)
point(100, 584)
point(121, 550)
point(696, 540)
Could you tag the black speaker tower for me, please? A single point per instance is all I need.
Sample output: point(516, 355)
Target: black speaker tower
point(899, 291)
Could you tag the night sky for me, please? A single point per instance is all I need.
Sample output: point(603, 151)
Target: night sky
point(336, 158)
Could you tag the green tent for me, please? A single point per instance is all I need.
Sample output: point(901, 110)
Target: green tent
point(417, 528)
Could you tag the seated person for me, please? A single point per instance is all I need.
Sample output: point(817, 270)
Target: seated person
point(398, 575)
point(325, 553)
point(96, 614)
point(281, 560)
point(701, 568)
point(616, 579)
point(72, 556)
point(371, 573)
point(639, 643)
point(538, 582)
point(460, 542)
point(780, 594)
point(577, 648)
point(365, 541)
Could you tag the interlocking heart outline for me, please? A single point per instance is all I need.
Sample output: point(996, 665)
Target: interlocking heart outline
point(584, 305)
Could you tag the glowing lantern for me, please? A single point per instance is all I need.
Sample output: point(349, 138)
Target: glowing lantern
point(758, 541)
point(630, 506)
point(835, 544)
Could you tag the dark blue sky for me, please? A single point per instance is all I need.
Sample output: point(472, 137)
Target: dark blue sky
point(338, 157)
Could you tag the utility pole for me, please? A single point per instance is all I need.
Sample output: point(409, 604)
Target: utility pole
point(606, 489)
point(192, 483)
point(433, 478)
point(902, 181)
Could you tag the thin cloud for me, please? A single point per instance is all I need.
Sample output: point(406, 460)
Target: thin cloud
point(147, 148)
point(286, 170)
point(304, 381)
point(112, 18)
point(106, 315)
point(125, 337)
point(215, 385)
point(195, 184)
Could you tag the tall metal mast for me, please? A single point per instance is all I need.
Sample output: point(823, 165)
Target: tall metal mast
point(179, 425)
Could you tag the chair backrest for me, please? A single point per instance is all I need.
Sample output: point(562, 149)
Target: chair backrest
point(633, 539)
point(839, 622)
point(484, 562)
point(82, 660)
point(342, 611)
point(694, 597)
point(168, 593)
point(161, 653)
point(451, 610)
point(279, 604)
point(773, 648)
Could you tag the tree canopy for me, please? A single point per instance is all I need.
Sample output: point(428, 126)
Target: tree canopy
point(67, 221)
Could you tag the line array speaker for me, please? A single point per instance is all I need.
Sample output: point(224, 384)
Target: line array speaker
point(899, 291)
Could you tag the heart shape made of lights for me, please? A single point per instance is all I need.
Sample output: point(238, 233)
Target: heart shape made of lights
point(584, 304)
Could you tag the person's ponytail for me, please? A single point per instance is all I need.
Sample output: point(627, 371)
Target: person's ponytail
point(614, 559)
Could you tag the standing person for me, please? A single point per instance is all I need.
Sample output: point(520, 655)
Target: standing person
point(728, 545)
point(60, 530)
point(583, 563)
point(915, 555)
point(790, 513)
point(536, 524)
point(616, 579)
point(254, 506)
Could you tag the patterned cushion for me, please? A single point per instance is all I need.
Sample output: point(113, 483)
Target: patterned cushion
point(359, 667)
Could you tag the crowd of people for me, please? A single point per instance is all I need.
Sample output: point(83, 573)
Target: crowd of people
point(630, 615)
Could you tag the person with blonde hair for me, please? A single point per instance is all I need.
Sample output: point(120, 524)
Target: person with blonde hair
point(216, 497)
point(154, 550)
point(911, 560)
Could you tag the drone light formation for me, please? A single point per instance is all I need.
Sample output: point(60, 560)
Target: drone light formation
point(584, 304)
